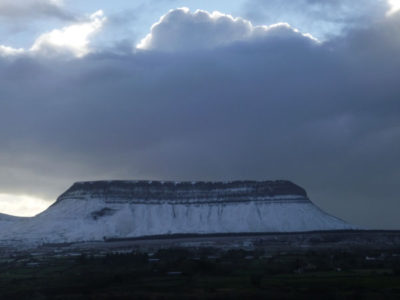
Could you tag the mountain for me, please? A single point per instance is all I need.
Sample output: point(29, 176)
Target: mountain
point(118, 209)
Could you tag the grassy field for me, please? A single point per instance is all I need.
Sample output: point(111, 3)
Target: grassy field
point(204, 273)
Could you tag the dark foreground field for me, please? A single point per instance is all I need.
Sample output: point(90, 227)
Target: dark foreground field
point(204, 273)
point(308, 265)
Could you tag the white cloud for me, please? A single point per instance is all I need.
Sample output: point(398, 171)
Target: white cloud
point(21, 205)
point(394, 6)
point(180, 29)
point(73, 38)
point(9, 51)
point(323, 19)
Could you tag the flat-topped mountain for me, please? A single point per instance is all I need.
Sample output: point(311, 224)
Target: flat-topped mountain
point(121, 209)
point(185, 192)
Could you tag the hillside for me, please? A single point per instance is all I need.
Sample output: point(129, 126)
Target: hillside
point(120, 209)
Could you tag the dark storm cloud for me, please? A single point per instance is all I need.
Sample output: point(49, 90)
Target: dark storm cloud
point(276, 106)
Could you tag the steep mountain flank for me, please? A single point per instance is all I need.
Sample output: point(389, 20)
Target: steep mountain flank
point(118, 209)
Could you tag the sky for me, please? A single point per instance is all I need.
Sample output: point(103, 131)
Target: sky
point(302, 90)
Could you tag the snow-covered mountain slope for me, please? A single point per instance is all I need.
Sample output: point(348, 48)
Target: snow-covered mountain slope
point(6, 222)
point(107, 209)
point(8, 218)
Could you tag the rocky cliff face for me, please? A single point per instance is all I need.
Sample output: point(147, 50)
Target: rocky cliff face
point(168, 192)
point(118, 209)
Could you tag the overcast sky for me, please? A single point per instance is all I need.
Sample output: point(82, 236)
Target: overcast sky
point(302, 90)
